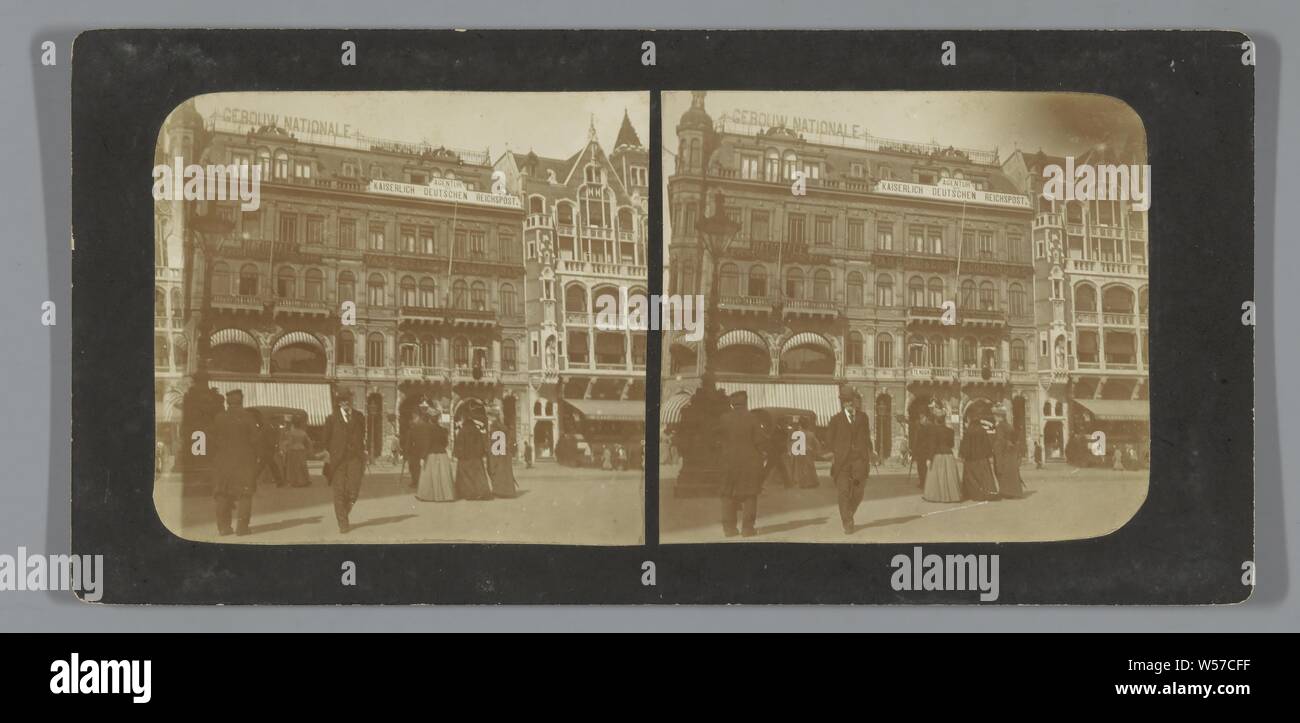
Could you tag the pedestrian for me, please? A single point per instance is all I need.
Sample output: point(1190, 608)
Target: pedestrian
point(235, 439)
point(268, 449)
point(471, 446)
point(1038, 455)
point(920, 448)
point(345, 453)
point(977, 462)
point(742, 467)
point(803, 467)
point(528, 454)
point(1006, 457)
point(296, 444)
point(437, 480)
point(1117, 455)
point(500, 467)
point(417, 436)
point(942, 481)
point(850, 440)
point(606, 458)
point(780, 459)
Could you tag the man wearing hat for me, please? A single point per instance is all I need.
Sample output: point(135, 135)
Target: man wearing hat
point(850, 437)
point(742, 467)
point(345, 452)
point(234, 463)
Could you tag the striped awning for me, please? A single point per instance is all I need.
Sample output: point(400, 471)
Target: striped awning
point(312, 398)
point(615, 410)
point(680, 338)
point(670, 412)
point(822, 399)
point(742, 337)
point(807, 338)
point(234, 336)
point(1118, 410)
point(297, 337)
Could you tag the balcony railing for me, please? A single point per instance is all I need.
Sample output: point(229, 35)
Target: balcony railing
point(238, 301)
point(812, 307)
point(303, 307)
point(537, 220)
point(982, 317)
point(1044, 220)
point(1118, 319)
point(1114, 268)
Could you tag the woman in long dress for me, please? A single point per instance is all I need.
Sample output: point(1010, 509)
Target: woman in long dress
point(471, 447)
point(804, 466)
point(942, 481)
point(295, 455)
point(500, 467)
point(437, 480)
point(977, 469)
point(1006, 460)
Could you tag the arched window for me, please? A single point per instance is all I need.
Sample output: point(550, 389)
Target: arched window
point(758, 280)
point(916, 292)
point(697, 156)
point(428, 351)
point(178, 306)
point(507, 300)
point(314, 285)
point(221, 278)
point(625, 220)
point(1085, 298)
point(1016, 299)
point(248, 278)
point(968, 294)
point(408, 350)
point(478, 296)
point(264, 160)
point(969, 353)
point(1087, 348)
point(855, 287)
point(918, 352)
point(460, 352)
point(428, 292)
point(822, 285)
point(536, 204)
point(789, 164)
point(459, 295)
point(853, 354)
point(509, 356)
point(884, 290)
point(347, 286)
point(934, 292)
point(286, 283)
point(808, 359)
point(564, 213)
point(1073, 212)
point(408, 292)
point(988, 299)
point(298, 358)
point(345, 348)
point(794, 283)
point(575, 298)
point(375, 350)
point(729, 280)
point(937, 349)
point(1116, 300)
point(281, 164)
point(772, 165)
point(376, 290)
point(884, 351)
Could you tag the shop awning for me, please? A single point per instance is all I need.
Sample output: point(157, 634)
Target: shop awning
point(1118, 410)
point(671, 410)
point(610, 410)
point(312, 398)
point(823, 399)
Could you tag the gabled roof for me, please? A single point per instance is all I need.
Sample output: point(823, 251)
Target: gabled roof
point(627, 134)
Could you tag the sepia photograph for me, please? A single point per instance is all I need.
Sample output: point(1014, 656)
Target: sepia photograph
point(925, 317)
point(375, 317)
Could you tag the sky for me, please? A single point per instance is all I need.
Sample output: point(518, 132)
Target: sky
point(550, 124)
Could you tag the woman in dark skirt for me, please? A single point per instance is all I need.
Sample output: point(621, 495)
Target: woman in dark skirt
point(500, 467)
point(977, 469)
point(471, 447)
point(1006, 459)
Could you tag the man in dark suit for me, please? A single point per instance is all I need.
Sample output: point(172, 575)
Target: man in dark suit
point(923, 446)
point(850, 438)
point(417, 439)
point(345, 452)
point(234, 463)
point(742, 467)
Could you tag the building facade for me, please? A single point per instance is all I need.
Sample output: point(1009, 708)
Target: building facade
point(848, 282)
point(584, 240)
point(1090, 262)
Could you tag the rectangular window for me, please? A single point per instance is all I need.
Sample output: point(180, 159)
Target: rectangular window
point(760, 226)
point(347, 233)
point(916, 239)
point(508, 361)
point(302, 169)
point(426, 241)
point(408, 239)
point(288, 228)
point(315, 230)
point(857, 235)
point(477, 244)
point(1016, 247)
point(986, 245)
point(856, 170)
point(749, 168)
point(795, 228)
point(509, 247)
point(936, 239)
point(377, 237)
point(822, 229)
point(885, 236)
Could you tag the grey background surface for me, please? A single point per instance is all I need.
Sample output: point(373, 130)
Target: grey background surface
point(36, 361)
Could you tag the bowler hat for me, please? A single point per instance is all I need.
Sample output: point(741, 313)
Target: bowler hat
point(847, 394)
